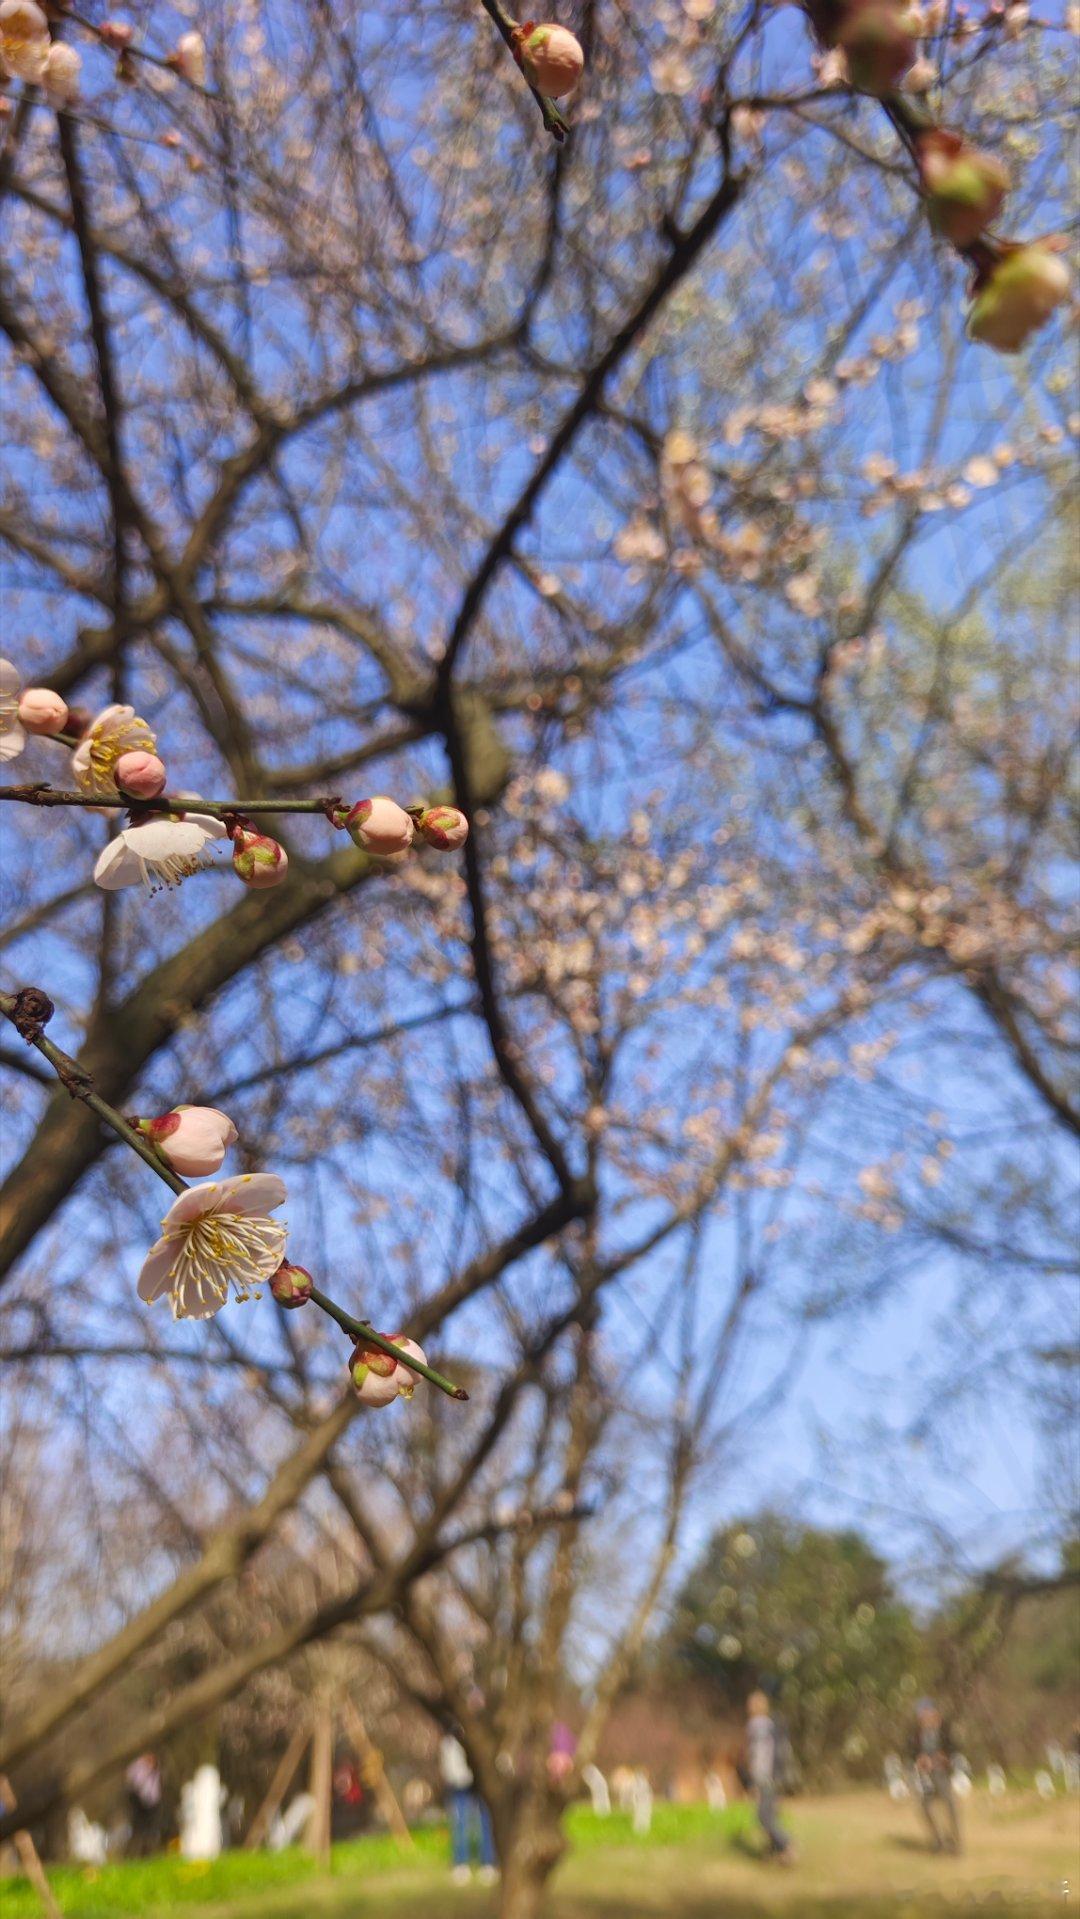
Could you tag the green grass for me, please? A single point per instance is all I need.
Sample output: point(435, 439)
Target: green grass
point(862, 1858)
point(164, 1885)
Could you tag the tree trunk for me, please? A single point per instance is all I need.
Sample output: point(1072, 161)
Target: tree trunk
point(529, 1852)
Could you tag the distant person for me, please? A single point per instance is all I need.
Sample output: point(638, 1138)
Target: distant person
point(470, 1821)
point(144, 1794)
point(931, 1758)
point(763, 1770)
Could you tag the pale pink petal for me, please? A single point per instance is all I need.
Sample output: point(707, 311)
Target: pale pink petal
point(156, 1268)
point(251, 1193)
point(196, 1203)
point(12, 741)
point(80, 759)
point(190, 1302)
point(9, 680)
point(111, 718)
point(116, 867)
point(210, 826)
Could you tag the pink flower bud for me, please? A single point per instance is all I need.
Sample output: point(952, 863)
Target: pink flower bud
point(117, 34)
point(550, 56)
point(42, 711)
point(140, 774)
point(879, 44)
point(444, 826)
point(379, 826)
point(373, 1374)
point(964, 187)
point(291, 1285)
point(189, 58)
point(377, 1378)
point(1017, 296)
point(193, 1140)
point(257, 859)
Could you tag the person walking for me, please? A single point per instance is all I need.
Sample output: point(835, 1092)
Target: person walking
point(931, 1758)
point(470, 1821)
point(764, 1773)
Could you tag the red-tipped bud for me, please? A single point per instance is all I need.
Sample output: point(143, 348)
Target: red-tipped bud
point(1017, 296)
point(140, 774)
point(878, 41)
point(257, 859)
point(378, 826)
point(116, 34)
point(964, 186)
point(193, 1140)
point(42, 711)
point(550, 57)
point(378, 1379)
point(291, 1285)
point(444, 826)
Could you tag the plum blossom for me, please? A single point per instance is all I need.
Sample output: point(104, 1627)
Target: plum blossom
point(159, 852)
point(1018, 296)
point(12, 734)
point(141, 774)
point(378, 826)
point(42, 711)
point(116, 731)
point(291, 1285)
point(378, 1379)
point(190, 58)
point(257, 859)
point(193, 1140)
point(62, 72)
point(551, 58)
point(24, 40)
point(215, 1237)
point(444, 826)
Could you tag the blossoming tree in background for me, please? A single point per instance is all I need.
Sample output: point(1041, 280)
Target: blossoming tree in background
point(583, 445)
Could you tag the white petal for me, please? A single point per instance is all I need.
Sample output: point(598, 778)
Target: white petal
point(213, 828)
point(156, 1268)
point(251, 1193)
point(116, 866)
point(9, 680)
point(12, 741)
point(195, 1203)
point(164, 840)
point(111, 719)
point(190, 1302)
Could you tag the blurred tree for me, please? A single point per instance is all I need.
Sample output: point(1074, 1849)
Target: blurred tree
point(814, 1617)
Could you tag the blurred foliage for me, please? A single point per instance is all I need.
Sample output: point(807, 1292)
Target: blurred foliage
point(813, 1616)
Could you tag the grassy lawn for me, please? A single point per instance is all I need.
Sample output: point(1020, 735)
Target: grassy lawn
point(861, 1858)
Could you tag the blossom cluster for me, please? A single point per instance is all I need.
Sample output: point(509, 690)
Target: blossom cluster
point(29, 52)
point(115, 761)
point(221, 1237)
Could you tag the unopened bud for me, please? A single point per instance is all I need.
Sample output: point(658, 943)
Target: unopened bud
point(257, 859)
point(550, 57)
point(378, 826)
point(62, 72)
point(964, 186)
point(1017, 296)
point(189, 59)
point(878, 41)
point(141, 774)
point(193, 1140)
point(291, 1285)
point(444, 826)
point(377, 1377)
point(42, 711)
point(117, 34)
